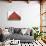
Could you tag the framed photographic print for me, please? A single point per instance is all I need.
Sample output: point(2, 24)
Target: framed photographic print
point(12, 15)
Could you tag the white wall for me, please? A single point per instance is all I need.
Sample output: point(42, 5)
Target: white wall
point(30, 14)
point(0, 18)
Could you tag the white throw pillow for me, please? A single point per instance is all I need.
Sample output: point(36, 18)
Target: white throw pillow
point(23, 31)
point(5, 32)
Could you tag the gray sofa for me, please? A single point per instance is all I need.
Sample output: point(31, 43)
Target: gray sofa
point(22, 38)
point(17, 35)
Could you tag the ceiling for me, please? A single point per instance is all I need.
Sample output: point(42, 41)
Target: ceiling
point(23, 0)
point(19, 0)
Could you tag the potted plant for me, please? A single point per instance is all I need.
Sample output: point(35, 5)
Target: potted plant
point(37, 33)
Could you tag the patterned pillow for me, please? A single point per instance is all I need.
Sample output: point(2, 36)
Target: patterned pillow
point(17, 30)
point(11, 30)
